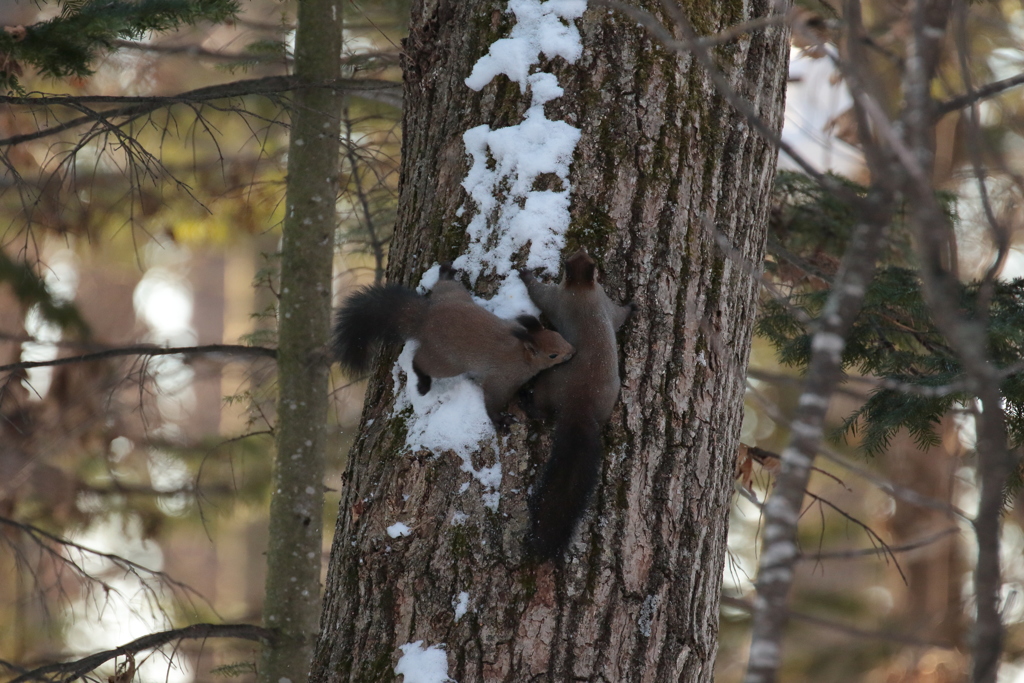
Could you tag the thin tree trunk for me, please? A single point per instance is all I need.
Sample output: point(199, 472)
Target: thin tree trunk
point(930, 601)
point(293, 568)
point(663, 164)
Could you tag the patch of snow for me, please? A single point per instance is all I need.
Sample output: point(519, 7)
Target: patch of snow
point(423, 665)
point(515, 157)
point(461, 605)
point(398, 529)
point(491, 501)
point(429, 279)
point(449, 417)
point(511, 300)
point(541, 28)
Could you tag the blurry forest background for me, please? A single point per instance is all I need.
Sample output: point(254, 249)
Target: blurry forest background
point(159, 225)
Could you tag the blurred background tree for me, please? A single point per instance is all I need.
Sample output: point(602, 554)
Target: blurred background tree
point(884, 586)
point(144, 147)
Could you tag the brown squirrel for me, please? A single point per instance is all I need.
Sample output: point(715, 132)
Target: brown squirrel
point(455, 336)
point(581, 395)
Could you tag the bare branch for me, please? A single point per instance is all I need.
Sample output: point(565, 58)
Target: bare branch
point(1000, 235)
point(887, 636)
point(969, 98)
point(967, 336)
point(903, 493)
point(379, 57)
point(760, 455)
point(871, 552)
point(55, 548)
point(148, 350)
point(193, 50)
point(66, 672)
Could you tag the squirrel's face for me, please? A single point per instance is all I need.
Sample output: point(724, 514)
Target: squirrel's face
point(549, 348)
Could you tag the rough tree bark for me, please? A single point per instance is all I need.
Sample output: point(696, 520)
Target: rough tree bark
point(662, 169)
point(307, 254)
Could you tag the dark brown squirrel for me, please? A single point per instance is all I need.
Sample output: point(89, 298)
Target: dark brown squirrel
point(455, 336)
point(580, 395)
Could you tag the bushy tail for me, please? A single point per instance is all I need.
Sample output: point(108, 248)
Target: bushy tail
point(563, 491)
point(377, 314)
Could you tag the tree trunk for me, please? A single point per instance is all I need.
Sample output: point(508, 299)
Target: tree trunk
point(662, 165)
point(930, 601)
point(307, 254)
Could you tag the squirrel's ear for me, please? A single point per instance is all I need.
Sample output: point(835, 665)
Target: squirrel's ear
point(529, 343)
point(580, 269)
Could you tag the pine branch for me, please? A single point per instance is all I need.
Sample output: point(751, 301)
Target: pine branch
point(895, 340)
point(386, 92)
point(68, 44)
point(30, 290)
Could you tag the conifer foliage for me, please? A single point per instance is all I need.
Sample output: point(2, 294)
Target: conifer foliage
point(68, 44)
point(30, 290)
point(894, 339)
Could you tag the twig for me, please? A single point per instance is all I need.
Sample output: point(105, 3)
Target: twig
point(872, 534)
point(760, 455)
point(364, 202)
point(12, 666)
point(895, 490)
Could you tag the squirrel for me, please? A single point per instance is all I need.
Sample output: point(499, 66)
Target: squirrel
point(455, 336)
point(580, 394)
